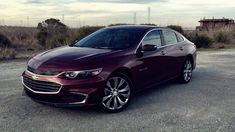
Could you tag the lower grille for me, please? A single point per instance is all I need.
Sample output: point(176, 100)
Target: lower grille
point(41, 86)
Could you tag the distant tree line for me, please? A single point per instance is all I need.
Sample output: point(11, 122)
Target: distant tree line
point(53, 33)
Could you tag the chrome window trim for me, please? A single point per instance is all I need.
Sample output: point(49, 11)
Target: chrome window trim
point(158, 46)
point(180, 35)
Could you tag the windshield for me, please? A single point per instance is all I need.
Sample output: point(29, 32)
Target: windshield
point(114, 39)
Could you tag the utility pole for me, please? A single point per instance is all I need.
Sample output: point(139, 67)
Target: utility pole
point(134, 18)
point(149, 13)
point(63, 18)
point(27, 21)
point(21, 23)
point(78, 22)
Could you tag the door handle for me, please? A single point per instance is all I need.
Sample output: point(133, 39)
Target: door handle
point(163, 52)
point(143, 69)
point(181, 48)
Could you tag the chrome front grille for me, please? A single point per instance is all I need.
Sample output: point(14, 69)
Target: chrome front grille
point(41, 86)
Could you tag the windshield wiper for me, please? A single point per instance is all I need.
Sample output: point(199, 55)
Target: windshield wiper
point(94, 47)
point(97, 47)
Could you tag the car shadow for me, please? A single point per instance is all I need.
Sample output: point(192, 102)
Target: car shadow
point(137, 98)
point(141, 98)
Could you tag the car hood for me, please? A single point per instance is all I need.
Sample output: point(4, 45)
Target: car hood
point(66, 57)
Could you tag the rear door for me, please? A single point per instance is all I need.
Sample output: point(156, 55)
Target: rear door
point(174, 53)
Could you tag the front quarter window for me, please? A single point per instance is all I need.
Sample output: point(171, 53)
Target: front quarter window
point(153, 38)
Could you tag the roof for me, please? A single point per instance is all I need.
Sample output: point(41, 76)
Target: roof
point(135, 27)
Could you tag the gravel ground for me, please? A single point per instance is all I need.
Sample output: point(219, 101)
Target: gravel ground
point(207, 103)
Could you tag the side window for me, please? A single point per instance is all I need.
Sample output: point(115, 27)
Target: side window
point(170, 37)
point(153, 38)
point(180, 38)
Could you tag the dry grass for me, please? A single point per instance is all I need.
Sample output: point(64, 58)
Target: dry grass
point(24, 41)
point(23, 38)
point(221, 38)
point(7, 53)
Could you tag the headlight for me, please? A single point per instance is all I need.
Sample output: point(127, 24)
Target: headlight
point(82, 74)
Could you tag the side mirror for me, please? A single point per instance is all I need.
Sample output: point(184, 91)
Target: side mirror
point(76, 41)
point(149, 47)
point(72, 44)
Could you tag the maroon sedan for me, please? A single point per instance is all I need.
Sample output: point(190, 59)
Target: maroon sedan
point(109, 66)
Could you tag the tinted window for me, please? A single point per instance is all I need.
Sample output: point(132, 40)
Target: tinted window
point(114, 39)
point(180, 38)
point(170, 37)
point(153, 38)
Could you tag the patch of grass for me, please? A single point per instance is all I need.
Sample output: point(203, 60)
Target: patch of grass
point(200, 40)
point(21, 37)
point(7, 53)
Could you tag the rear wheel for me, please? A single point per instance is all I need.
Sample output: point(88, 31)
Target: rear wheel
point(117, 93)
point(186, 72)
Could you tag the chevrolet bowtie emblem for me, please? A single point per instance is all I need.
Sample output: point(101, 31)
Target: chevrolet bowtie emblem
point(34, 77)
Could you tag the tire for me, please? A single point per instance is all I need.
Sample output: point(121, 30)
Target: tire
point(186, 71)
point(117, 93)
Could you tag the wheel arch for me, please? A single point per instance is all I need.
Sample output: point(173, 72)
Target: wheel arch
point(126, 71)
point(190, 56)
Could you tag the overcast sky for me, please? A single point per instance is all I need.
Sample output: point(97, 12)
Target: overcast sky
point(103, 12)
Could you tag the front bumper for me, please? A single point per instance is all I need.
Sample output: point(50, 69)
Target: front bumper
point(71, 93)
point(57, 101)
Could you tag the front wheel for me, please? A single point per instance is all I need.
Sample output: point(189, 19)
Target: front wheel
point(186, 72)
point(117, 93)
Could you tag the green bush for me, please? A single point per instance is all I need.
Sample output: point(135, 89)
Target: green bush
point(4, 42)
point(200, 40)
point(222, 37)
point(42, 37)
point(83, 32)
point(52, 33)
point(176, 28)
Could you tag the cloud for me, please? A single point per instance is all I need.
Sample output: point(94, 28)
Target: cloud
point(124, 1)
point(184, 12)
point(34, 2)
point(93, 1)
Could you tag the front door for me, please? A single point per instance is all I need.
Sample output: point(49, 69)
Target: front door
point(150, 65)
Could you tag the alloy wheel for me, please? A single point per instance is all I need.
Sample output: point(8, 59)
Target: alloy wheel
point(116, 93)
point(188, 70)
